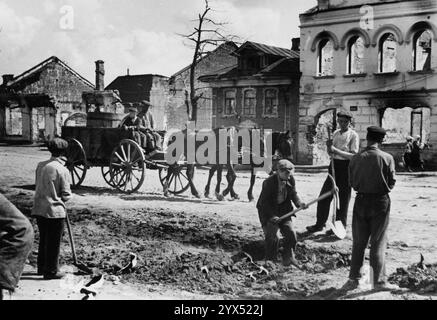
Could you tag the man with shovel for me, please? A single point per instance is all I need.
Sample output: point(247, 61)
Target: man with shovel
point(51, 193)
point(344, 145)
point(278, 193)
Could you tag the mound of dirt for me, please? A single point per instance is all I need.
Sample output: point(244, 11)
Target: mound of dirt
point(418, 277)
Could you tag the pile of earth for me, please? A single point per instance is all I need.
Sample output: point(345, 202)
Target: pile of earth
point(419, 277)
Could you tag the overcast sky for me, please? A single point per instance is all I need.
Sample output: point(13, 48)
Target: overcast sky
point(141, 35)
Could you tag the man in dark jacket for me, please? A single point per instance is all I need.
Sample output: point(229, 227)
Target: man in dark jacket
point(16, 239)
point(372, 176)
point(278, 191)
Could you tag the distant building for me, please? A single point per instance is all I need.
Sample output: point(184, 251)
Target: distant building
point(176, 112)
point(35, 104)
point(261, 91)
point(376, 59)
point(150, 87)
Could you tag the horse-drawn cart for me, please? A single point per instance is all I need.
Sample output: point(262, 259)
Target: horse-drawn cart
point(122, 161)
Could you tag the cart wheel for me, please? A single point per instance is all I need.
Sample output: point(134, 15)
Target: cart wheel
point(76, 162)
point(126, 168)
point(178, 180)
point(106, 173)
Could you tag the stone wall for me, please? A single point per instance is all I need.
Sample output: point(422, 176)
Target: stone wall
point(367, 94)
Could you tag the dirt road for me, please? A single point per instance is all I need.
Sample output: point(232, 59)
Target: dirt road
point(192, 248)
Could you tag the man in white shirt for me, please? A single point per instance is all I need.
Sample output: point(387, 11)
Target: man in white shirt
point(344, 145)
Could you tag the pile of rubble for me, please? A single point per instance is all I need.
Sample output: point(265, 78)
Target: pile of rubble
point(418, 277)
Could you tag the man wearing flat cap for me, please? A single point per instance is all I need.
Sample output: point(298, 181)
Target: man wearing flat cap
point(344, 145)
point(372, 176)
point(52, 191)
point(277, 194)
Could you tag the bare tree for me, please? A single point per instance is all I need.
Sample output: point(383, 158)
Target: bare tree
point(207, 34)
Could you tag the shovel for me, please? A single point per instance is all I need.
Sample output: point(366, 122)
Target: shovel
point(79, 265)
point(336, 226)
point(333, 193)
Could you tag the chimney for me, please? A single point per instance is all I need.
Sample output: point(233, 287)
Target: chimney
point(100, 74)
point(323, 4)
point(128, 72)
point(295, 44)
point(7, 78)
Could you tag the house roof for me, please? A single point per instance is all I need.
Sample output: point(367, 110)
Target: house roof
point(134, 88)
point(39, 67)
point(229, 43)
point(271, 50)
point(286, 65)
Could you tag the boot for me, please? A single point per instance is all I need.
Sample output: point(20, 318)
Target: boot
point(290, 259)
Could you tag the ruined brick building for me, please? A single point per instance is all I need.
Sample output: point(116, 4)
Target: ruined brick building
point(376, 59)
point(149, 87)
point(261, 91)
point(176, 112)
point(35, 104)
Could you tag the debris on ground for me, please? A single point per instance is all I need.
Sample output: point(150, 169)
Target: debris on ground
point(419, 277)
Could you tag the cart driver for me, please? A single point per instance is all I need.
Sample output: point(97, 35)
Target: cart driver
point(149, 124)
point(134, 124)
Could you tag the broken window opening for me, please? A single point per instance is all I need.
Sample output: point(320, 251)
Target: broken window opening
point(387, 53)
point(249, 102)
point(355, 58)
point(14, 122)
point(229, 102)
point(325, 59)
point(404, 122)
point(271, 102)
point(422, 51)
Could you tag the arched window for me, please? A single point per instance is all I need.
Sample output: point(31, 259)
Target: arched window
point(387, 53)
point(249, 102)
point(270, 102)
point(422, 50)
point(229, 102)
point(325, 59)
point(355, 56)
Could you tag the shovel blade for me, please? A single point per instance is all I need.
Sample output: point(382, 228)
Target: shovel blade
point(338, 228)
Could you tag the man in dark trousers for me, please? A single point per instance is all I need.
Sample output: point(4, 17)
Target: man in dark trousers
point(51, 193)
point(372, 176)
point(16, 239)
point(278, 191)
point(344, 145)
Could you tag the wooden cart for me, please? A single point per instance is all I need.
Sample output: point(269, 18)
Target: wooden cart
point(122, 161)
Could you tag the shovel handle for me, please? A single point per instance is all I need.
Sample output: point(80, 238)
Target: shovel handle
point(70, 235)
point(322, 197)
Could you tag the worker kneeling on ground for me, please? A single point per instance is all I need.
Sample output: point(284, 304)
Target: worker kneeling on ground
point(278, 191)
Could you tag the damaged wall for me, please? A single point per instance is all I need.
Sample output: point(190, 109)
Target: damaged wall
point(365, 94)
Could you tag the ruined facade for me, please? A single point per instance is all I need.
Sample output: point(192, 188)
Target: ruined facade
point(375, 59)
point(262, 91)
point(149, 87)
point(35, 104)
point(176, 111)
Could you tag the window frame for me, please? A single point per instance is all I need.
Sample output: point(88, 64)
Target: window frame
point(382, 40)
point(416, 38)
point(225, 113)
point(351, 42)
point(243, 105)
point(324, 41)
point(273, 114)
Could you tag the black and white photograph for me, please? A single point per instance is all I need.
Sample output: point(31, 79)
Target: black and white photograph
point(219, 154)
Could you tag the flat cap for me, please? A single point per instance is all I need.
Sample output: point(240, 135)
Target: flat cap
point(145, 103)
point(57, 144)
point(133, 108)
point(344, 114)
point(285, 165)
point(378, 131)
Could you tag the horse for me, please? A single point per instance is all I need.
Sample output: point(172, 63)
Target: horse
point(281, 149)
